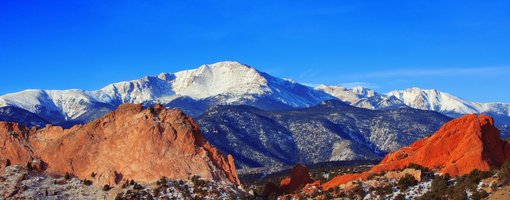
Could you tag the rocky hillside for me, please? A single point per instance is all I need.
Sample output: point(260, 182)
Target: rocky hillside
point(465, 159)
point(18, 182)
point(328, 132)
point(131, 143)
point(21, 116)
point(459, 147)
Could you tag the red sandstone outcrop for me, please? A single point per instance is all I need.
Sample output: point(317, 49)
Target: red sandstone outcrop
point(130, 143)
point(460, 146)
point(299, 177)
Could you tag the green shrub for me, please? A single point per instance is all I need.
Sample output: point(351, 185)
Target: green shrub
point(357, 192)
point(106, 187)
point(478, 195)
point(29, 166)
point(438, 189)
point(467, 182)
point(400, 197)
point(138, 186)
point(384, 190)
point(406, 182)
point(87, 182)
point(162, 182)
point(418, 167)
point(155, 192)
point(67, 176)
point(504, 173)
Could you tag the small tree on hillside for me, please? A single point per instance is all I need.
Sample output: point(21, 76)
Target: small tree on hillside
point(504, 172)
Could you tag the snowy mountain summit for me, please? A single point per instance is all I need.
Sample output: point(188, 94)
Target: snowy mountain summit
point(430, 99)
point(362, 97)
point(228, 83)
point(223, 78)
point(194, 91)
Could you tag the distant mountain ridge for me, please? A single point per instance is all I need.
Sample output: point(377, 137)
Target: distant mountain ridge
point(430, 99)
point(363, 97)
point(231, 83)
point(330, 131)
point(263, 120)
point(222, 83)
point(423, 99)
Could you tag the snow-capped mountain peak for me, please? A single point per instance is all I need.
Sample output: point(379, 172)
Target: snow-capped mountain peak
point(230, 83)
point(220, 78)
point(195, 90)
point(430, 99)
point(363, 91)
point(340, 92)
point(362, 97)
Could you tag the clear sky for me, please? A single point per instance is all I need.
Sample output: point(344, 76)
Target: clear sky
point(461, 47)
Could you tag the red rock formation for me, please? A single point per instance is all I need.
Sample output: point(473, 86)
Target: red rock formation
point(129, 143)
point(14, 142)
point(460, 146)
point(311, 188)
point(299, 177)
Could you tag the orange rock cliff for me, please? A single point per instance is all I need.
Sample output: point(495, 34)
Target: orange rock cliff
point(457, 148)
point(130, 143)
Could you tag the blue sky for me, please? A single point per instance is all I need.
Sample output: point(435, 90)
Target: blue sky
point(461, 47)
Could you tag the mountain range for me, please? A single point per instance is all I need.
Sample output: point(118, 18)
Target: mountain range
point(261, 119)
point(194, 91)
point(229, 83)
point(424, 99)
point(330, 131)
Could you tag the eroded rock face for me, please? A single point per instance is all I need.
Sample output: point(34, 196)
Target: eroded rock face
point(299, 177)
point(457, 148)
point(129, 143)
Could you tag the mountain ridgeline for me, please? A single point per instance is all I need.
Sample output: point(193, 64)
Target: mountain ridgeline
point(231, 83)
point(263, 120)
point(193, 91)
point(330, 131)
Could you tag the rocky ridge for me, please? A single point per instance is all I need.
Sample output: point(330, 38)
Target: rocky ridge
point(131, 143)
point(459, 147)
point(330, 131)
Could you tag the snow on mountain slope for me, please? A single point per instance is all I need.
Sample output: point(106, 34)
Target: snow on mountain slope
point(35, 101)
point(222, 83)
point(428, 99)
point(424, 99)
point(362, 97)
point(227, 78)
point(21, 116)
point(330, 131)
point(434, 100)
point(146, 89)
